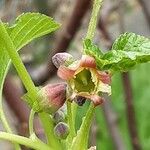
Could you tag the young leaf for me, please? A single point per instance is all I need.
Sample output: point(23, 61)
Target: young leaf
point(132, 42)
point(127, 51)
point(91, 49)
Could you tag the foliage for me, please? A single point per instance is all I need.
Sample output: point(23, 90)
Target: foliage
point(127, 51)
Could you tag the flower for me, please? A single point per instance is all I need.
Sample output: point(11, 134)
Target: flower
point(83, 78)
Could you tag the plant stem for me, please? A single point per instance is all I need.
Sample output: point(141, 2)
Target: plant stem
point(16, 60)
point(74, 107)
point(70, 122)
point(35, 144)
point(47, 123)
point(31, 120)
point(81, 140)
point(6, 125)
point(2, 115)
point(93, 21)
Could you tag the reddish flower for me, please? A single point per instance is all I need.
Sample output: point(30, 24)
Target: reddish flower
point(83, 78)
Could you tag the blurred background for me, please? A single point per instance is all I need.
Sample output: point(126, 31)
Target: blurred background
point(122, 123)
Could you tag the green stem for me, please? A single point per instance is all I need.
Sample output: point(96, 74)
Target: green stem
point(74, 107)
point(47, 123)
point(16, 60)
point(72, 133)
point(31, 120)
point(6, 125)
point(35, 144)
point(2, 115)
point(93, 21)
point(81, 140)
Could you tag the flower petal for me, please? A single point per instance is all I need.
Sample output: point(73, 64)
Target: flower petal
point(104, 77)
point(65, 73)
point(105, 88)
point(97, 100)
point(87, 61)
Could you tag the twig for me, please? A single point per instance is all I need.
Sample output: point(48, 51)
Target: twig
point(128, 92)
point(130, 111)
point(111, 120)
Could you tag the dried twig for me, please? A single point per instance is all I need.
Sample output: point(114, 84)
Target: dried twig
point(128, 92)
point(111, 120)
point(130, 112)
point(145, 6)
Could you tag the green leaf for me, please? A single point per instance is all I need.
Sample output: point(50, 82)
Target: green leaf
point(132, 42)
point(91, 49)
point(127, 51)
point(30, 26)
point(26, 28)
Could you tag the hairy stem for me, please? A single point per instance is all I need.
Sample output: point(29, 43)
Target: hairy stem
point(93, 21)
point(81, 140)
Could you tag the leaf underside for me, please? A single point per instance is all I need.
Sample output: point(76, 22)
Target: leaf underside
point(127, 51)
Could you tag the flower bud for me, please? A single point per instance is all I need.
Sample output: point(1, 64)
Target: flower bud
point(52, 97)
point(62, 59)
point(58, 116)
point(61, 130)
point(80, 100)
